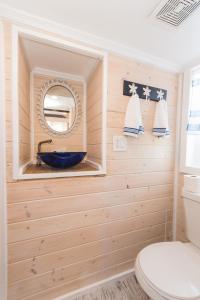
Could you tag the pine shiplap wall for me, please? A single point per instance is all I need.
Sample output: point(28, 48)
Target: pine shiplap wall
point(94, 114)
point(75, 140)
point(67, 233)
point(180, 214)
point(24, 107)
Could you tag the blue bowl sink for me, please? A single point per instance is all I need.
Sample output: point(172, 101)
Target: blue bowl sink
point(61, 160)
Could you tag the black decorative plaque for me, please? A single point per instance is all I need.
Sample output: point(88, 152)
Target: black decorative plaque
point(144, 91)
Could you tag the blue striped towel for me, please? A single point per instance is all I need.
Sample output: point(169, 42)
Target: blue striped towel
point(161, 125)
point(133, 120)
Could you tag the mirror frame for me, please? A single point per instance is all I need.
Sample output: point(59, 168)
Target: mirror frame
point(40, 106)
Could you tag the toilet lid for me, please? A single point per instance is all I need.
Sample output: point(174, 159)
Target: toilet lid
point(173, 268)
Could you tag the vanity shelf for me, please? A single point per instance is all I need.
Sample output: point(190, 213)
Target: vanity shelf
point(82, 167)
point(34, 171)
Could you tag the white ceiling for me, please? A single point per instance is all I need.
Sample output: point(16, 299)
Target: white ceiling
point(44, 56)
point(125, 22)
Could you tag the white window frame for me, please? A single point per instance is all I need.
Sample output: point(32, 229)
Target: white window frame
point(3, 193)
point(184, 120)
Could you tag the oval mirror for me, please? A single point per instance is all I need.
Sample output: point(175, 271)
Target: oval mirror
point(60, 108)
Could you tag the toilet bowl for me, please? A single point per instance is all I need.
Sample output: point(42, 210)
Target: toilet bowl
point(171, 270)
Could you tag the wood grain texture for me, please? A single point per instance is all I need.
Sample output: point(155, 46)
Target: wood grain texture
point(82, 281)
point(94, 115)
point(125, 287)
point(180, 214)
point(58, 259)
point(35, 169)
point(23, 250)
point(65, 274)
point(70, 232)
point(24, 107)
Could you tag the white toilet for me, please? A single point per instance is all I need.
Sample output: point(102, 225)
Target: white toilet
point(171, 270)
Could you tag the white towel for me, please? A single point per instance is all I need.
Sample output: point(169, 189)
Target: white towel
point(161, 126)
point(133, 121)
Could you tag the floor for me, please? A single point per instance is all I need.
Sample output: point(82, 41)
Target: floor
point(125, 288)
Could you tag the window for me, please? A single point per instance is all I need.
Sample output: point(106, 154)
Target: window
point(193, 126)
point(191, 123)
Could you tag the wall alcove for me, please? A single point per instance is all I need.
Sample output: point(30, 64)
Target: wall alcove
point(41, 62)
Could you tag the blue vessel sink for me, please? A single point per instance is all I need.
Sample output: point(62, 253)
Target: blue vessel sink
point(61, 160)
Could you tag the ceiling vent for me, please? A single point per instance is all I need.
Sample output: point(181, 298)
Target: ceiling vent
point(174, 12)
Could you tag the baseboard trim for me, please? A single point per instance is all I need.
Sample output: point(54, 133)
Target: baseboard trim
point(98, 283)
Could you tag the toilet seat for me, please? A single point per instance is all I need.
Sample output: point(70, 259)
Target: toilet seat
point(171, 270)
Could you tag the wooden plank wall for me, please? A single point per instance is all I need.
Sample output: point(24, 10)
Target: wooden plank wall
point(66, 233)
point(72, 142)
point(180, 214)
point(24, 107)
point(94, 115)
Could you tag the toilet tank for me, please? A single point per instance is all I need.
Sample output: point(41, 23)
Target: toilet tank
point(192, 214)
